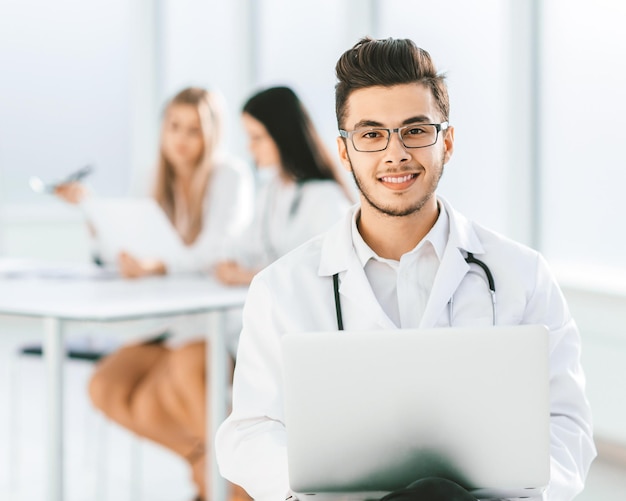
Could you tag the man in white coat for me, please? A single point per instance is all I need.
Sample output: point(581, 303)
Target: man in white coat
point(399, 258)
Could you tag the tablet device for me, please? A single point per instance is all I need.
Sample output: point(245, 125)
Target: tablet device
point(135, 225)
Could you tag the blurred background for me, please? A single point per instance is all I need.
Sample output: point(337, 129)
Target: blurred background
point(537, 99)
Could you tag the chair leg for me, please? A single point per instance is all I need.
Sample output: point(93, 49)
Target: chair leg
point(13, 450)
point(101, 447)
point(135, 468)
point(101, 459)
point(102, 462)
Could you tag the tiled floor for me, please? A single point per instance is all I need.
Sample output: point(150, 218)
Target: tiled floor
point(94, 446)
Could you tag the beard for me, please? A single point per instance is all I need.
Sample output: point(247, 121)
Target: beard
point(390, 210)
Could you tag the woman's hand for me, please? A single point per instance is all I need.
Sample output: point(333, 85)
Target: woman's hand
point(73, 193)
point(231, 273)
point(131, 267)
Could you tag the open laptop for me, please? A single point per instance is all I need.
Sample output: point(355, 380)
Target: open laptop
point(135, 225)
point(370, 412)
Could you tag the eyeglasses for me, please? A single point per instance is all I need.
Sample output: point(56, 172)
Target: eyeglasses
point(371, 139)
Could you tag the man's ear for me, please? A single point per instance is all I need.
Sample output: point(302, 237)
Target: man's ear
point(342, 149)
point(448, 144)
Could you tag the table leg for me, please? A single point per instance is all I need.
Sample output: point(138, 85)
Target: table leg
point(53, 353)
point(217, 361)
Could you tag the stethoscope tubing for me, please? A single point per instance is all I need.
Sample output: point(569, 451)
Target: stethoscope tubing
point(470, 259)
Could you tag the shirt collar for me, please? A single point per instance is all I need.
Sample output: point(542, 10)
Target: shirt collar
point(437, 237)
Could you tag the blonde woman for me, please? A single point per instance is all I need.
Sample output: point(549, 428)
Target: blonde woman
point(153, 388)
point(205, 194)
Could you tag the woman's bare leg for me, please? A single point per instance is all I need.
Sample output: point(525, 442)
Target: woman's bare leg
point(132, 387)
point(184, 392)
point(187, 380)
point(159, 393)
point(116, 378)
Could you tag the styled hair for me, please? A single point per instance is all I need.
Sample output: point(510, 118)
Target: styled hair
point(208, 105)
point(387, 63)
point(302, 153)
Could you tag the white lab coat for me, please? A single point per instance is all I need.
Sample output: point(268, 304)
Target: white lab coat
point(296, 294)
point(288, 215)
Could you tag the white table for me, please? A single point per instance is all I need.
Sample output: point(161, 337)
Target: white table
point(60, 301)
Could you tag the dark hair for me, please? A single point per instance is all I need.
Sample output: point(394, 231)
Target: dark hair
point(386, 63)
point(302, 153)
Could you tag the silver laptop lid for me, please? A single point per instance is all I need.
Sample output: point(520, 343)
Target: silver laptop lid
point(372, 411)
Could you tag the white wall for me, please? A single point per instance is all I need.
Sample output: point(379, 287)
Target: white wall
point(76, 87)
point(473, 56)
point(64, 93)
point(584, 106)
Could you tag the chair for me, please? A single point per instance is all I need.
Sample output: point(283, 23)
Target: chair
point(82, 352)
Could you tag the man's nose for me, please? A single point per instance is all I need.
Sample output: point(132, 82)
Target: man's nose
point(396, 151)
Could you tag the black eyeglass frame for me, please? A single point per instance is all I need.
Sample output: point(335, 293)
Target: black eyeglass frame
point(347, 134)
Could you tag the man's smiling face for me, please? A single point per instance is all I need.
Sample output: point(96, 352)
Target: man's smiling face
point(397, 181)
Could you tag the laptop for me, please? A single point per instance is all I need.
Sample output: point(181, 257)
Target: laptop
point(370, 412)
point(135, 225)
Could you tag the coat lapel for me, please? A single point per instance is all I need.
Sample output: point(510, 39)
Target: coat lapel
point(359, 305)
point(453, 267)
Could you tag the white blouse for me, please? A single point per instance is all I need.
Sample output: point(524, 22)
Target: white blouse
point(227, 212)
point(287, 215)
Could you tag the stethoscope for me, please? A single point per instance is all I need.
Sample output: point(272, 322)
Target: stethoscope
point(470, 259)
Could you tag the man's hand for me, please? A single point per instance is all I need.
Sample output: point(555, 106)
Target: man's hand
point(131, 267)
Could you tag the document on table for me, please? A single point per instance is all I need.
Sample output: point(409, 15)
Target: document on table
point(34, 268)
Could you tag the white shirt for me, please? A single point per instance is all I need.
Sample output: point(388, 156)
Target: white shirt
point(402, 287)
point(295, 294)
point(227, 212)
